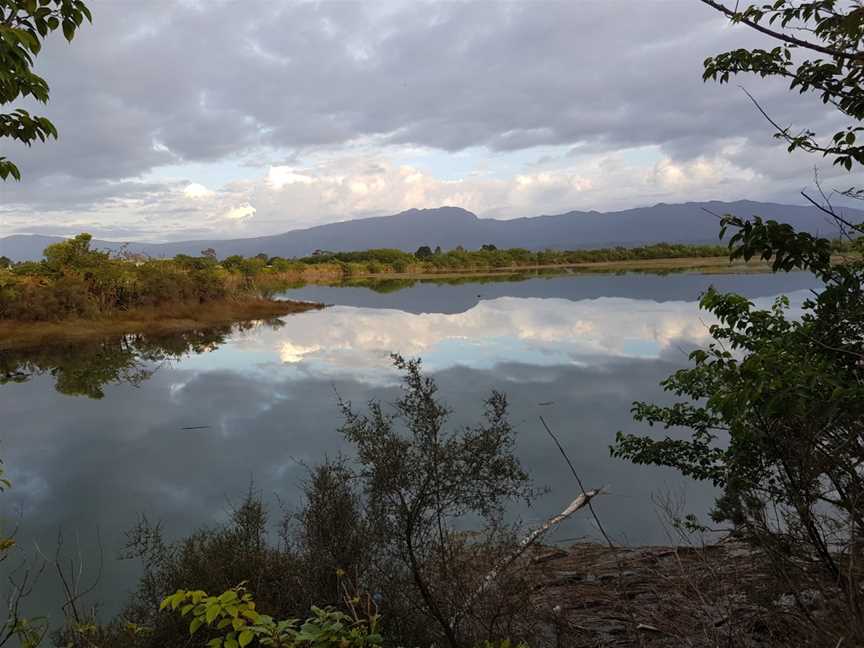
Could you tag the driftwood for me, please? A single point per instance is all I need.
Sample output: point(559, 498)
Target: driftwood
point(580, 502)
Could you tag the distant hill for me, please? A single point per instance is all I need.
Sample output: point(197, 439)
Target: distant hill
point(452, 226)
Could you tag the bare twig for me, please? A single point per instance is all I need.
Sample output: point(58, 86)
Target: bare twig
point(578, 481)
point(71, 582)
point(833, 214)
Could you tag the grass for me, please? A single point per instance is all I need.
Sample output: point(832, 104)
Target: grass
point(170, 319)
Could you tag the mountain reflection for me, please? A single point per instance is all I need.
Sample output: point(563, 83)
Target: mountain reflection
point(456, 295)
point(84, 368)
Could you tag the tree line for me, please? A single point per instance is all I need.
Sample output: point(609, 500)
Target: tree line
point(75, 280)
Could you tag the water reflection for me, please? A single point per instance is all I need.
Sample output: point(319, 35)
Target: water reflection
point(462, 294)
point(580, 328)
point(86, 367)
point(530, 319)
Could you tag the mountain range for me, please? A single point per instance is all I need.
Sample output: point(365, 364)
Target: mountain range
point(449, 227)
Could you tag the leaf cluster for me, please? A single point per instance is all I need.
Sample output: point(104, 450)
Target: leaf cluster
point(232, 616)
point(24, 24)
point(827, 60)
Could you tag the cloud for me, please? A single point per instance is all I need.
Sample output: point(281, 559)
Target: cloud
point(350, 109)
point(196, 190)
point(240, 213)
point(331, 188)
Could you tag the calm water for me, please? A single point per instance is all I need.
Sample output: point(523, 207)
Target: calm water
point(97, 435)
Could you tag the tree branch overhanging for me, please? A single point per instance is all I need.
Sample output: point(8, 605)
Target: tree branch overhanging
point(792, 40)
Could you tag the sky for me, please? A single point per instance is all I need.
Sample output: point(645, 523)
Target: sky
point(184, 119)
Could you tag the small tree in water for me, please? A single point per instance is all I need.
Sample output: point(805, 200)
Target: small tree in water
point(419, 479)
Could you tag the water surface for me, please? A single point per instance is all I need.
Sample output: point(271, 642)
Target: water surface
point(95, 435)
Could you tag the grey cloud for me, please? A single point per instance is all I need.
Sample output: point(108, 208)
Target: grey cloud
point(176, 82)
point(210, 81)
point(62, 192)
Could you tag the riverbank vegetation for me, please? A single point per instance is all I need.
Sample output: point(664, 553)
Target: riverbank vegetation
point(490, 258)
point(158, 321)
point(425, 260)
point(74, 281)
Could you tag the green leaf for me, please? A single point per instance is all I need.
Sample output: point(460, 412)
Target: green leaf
point(245, 638)
point(230, 595)
point(213, 611)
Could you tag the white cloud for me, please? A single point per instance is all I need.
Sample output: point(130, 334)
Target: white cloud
point(240, 213)
point(328, 187)
point(195, 191)
point(280, 176)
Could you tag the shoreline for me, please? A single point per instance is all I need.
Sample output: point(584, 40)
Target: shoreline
point(156, 321)
point(176, 318)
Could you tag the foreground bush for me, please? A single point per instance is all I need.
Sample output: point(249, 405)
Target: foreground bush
point(387, 525)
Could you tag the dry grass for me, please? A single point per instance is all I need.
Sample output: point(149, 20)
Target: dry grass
point(170, 319)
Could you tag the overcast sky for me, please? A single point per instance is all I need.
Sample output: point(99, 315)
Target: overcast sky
point(227, 118)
